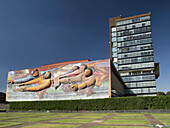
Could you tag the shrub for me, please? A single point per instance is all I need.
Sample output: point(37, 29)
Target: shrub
point(160, 94)
point(168, 93)
point(116, 103)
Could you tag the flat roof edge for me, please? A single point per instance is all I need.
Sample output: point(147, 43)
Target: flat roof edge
point(136, 16)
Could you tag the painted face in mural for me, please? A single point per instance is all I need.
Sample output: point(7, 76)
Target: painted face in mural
point(35, 73)
point(88, 72)
point(47, 75)
point(75, 68)
point(75, 81)
point(75, 87)
point(83, 67)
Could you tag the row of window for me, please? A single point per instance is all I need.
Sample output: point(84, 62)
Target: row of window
point(135, 48)
point(138, 78)
point(136, 73)
point(139, 19)
point(141, 90)
point(135, 54)
point(133, 37)
point(135, 42)
point(141, 84)
point(136, 60)
point(136, 66)
point(133, 31)
point(137, 25)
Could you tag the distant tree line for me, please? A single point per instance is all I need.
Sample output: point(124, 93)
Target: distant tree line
point(162, 93)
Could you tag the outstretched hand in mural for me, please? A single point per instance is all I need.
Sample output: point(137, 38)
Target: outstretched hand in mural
point(86, 76)
point(75, 71)
point(43, 82)
point(35, 73)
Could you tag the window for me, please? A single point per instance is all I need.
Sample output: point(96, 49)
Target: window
point(141, 84)
point(136, 54)
point(135, 48)
point(138, 78)
point(135, 42)
point(139, 19)
point(135, 60)
point(137, 36)
point(124, 74)
point(113, 39)
point(113, 34)
point(136, 66)
point(113, 29)
point(114, 49)
point(114, 44)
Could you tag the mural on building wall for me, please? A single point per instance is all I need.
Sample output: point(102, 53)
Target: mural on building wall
point(85, 80)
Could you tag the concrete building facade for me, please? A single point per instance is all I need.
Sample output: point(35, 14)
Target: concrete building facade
point(131, 51)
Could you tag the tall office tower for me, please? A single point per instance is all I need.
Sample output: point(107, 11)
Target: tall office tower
point(131, 51)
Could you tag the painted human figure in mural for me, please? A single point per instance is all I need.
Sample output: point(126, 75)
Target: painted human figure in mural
point(43, 82)
point(76, 70)
point(35, 74)
point(77, 80)
point(88, 77)
point(101, 74)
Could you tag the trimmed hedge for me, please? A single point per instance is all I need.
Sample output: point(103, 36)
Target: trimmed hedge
point(116, 103)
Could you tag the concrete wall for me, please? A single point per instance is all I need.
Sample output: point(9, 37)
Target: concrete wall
point(116, 84)
point(116, 81)
point(67, 82)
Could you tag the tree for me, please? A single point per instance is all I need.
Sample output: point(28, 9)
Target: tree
point(168, 93)
point(160, 94)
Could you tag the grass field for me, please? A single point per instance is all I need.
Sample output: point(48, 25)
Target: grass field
point(78, 120)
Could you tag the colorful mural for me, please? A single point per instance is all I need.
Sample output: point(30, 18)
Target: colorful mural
point(86, 80)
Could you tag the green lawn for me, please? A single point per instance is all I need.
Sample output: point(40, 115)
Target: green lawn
point(7, 124)
point(128, 117)
point(50, 126)
point(167, 122)
point(91, 115)
point(160, 114)
point(14, 118)
point(30, 119)
point(73, 120)
point(100, 126)
point(36, 119)
point(15, 114)
point(162, 117)
point(130, 114)
point(131, 122)
point(6, 118)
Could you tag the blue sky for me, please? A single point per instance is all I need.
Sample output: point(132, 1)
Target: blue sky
point(38, 32)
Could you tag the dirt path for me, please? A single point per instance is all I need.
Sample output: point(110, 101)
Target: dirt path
point(152, 120)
